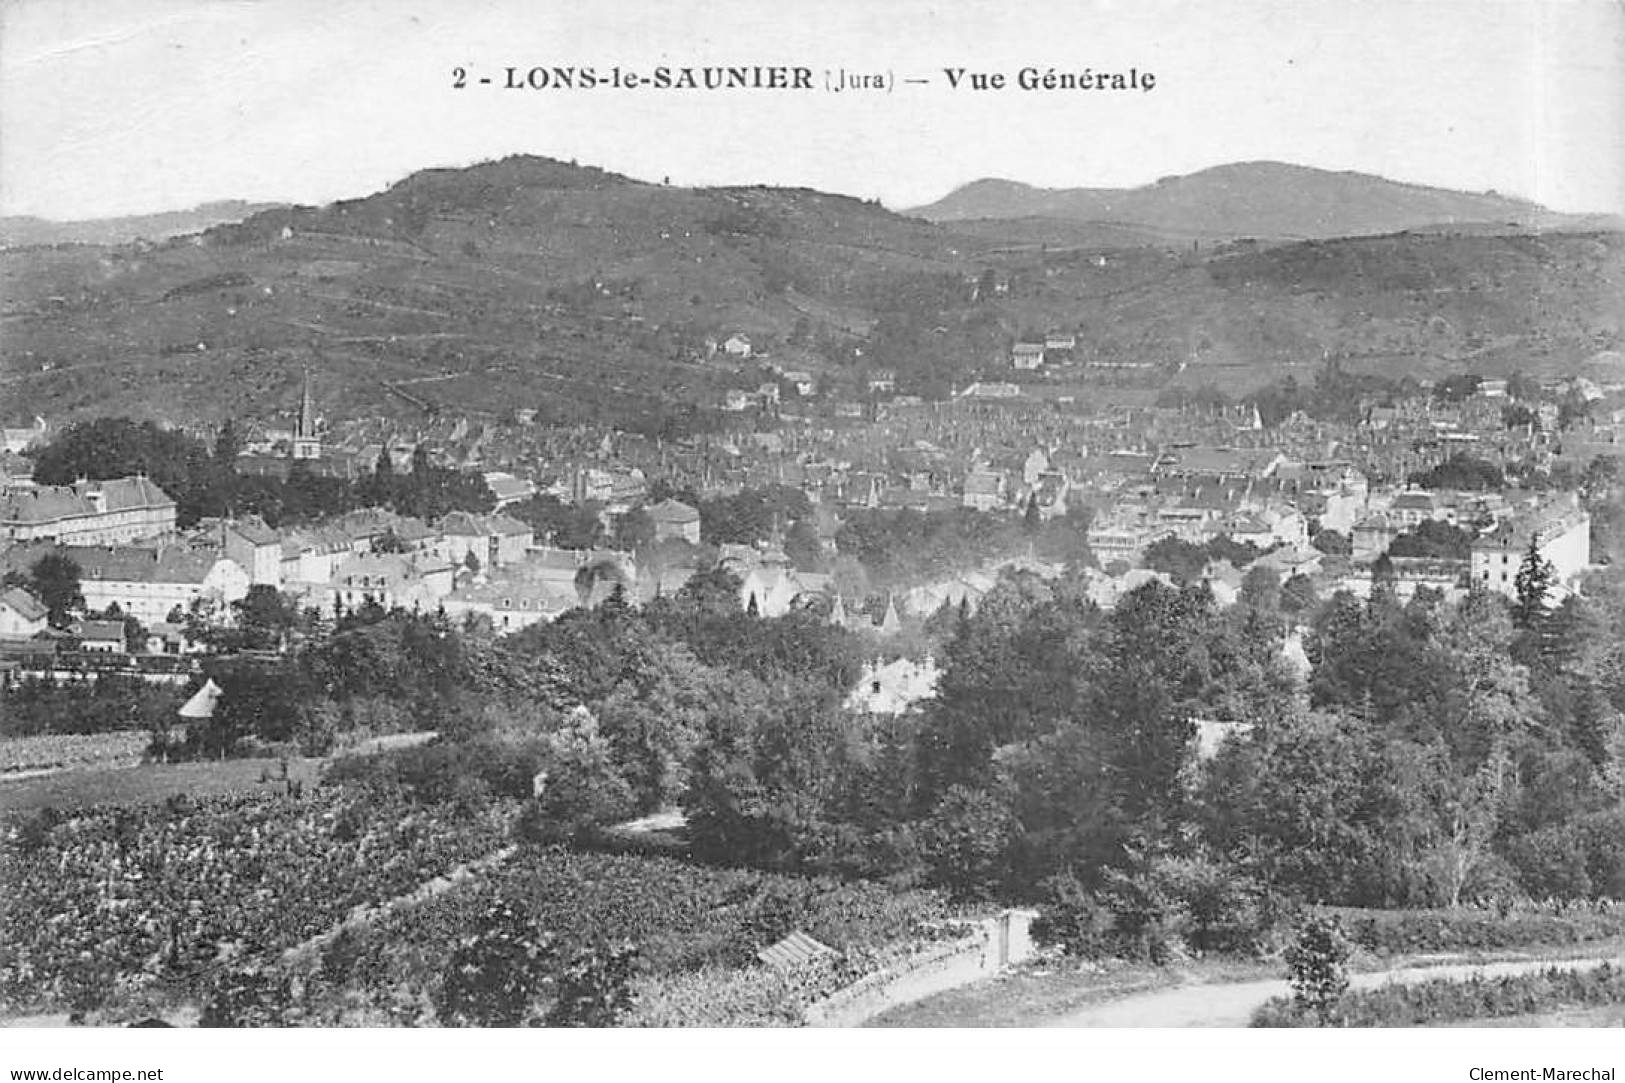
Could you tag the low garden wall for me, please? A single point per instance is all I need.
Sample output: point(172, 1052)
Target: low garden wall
point(993, 943)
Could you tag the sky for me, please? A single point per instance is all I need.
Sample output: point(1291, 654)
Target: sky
point(135, 106)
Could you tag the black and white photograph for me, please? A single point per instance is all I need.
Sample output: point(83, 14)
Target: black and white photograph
point(927, 517)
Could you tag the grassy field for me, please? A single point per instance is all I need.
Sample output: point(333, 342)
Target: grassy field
point(21, 756)
point(147, 783)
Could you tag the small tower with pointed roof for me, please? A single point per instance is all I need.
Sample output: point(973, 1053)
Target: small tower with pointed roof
point(890, 624)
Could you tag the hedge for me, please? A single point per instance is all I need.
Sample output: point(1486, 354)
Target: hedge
point(1443, 1000)
point(1411, 932)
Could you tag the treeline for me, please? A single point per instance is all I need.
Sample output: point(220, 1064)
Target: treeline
point(203, 479)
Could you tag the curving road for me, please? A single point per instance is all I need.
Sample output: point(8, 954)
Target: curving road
point(1231, 1004)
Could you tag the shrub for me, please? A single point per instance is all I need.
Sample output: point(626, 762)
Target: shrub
point(1072, 919)
point(497, 975)
point(247, 996)
point(595, 987)
point(1317, 968)
point(1222, 909)
point(1146, 915)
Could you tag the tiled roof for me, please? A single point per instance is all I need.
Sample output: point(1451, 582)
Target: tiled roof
point(47, 504)
point(133, 564)
point(541, 594)
point(128, 494)
point(465, 524)
point(52, 503)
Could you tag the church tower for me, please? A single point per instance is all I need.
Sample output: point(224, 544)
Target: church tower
point(306, 444)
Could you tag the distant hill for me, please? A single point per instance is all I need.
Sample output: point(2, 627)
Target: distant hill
point(588, 296)
point(23, 230)
point(525, 281)
point(1263, 200)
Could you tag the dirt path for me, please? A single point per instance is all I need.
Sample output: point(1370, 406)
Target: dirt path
point(416, 897)
point(1231, 1004)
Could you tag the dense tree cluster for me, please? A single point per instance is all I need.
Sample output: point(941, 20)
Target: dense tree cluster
point(1433, 538)
point(1334, 395)
point(1184, 562)
point(1462, 472)
point(203, 480)
point(897, 548)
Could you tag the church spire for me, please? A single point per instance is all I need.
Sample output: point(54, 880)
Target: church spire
point(307, 411)
point(306, 443)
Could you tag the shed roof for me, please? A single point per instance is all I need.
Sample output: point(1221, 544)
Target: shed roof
point(794, 950)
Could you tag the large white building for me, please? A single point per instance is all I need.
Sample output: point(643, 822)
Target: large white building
point(149, 584)
point(1562, 533)
point(113, 512)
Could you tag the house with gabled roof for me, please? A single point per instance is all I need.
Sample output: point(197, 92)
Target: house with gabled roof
point(984, 489)
point(310, 554)
point(1026, 356)
point(675, 519)
point(21, 614)
point(256, 548)
point(493, 540)
point(508, 489)
point(100, 636)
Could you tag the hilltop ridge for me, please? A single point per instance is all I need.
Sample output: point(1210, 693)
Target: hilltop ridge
point(1260, 199)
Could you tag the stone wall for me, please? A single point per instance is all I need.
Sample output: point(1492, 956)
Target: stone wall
point(993, 944)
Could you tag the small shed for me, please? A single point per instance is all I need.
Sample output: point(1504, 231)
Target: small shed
point(794, 950)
